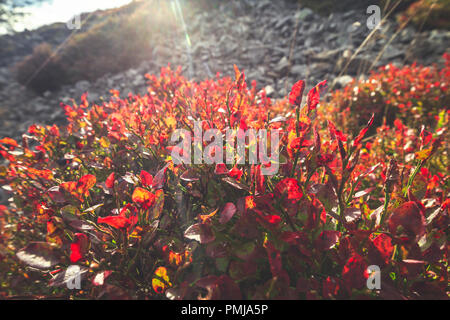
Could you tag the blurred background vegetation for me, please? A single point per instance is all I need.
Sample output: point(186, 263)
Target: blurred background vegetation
point(119, 39)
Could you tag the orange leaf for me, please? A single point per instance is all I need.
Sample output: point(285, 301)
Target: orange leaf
point(9, 141)
point(206, 217)
point(85, 183)
point(118, 222)
point(143, 197)
point(161, 282)
point(424, 154)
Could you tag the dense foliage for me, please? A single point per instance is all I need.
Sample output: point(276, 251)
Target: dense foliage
point(427, 14)
point(42, 70)
point(105, 195)
point(414, 94)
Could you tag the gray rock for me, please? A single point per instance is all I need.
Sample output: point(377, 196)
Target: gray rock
point(269, 90)
point(299, 70)
point(351, 66)
point(406, 35)
point(427, 48)
point(138, 80)
point(131, 73)
point(286, 21)
point(309, 42)
point(282, 66)
point(80, 88)
point(354, 27)
point(321, 68)
point(93, 96)
point(327, 55)
point(392, 53)
point(263, 5)
point(342, 81)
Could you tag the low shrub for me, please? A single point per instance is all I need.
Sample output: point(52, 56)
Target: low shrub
point(105, 198)
point(41, 71)
point(428, 14)
point(414, 94)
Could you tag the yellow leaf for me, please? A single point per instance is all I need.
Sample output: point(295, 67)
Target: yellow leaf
point(104, 142)
point(424, 154)
point(161, 282)
point(171, 122)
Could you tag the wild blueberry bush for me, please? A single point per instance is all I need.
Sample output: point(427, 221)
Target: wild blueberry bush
point(414, 94)
point(104, 194)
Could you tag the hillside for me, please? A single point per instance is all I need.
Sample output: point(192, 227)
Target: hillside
point(222, 150)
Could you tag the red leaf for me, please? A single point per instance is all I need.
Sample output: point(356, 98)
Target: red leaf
point(227, 213)
point(334, 133)
point(274, 259)
point(110, 180)
point(259, 180)
point(272, 219)
point(408, 216)
point(7, 156)
point(143, 197)
point(384, 247)
point(221, 168)
point(425, 136)
point(117, 222)
point(236, 173)
point(330, 287)
point(288, 189)
point(314, 95)
point(275, 262)
point(146, 179)
point(293, 237)
point(85, 183)
point(293, 146)
point(323, 159)
point(355, 273)
point(327, 239)
point(79, 247)
point(296, 95)
point(362, 133)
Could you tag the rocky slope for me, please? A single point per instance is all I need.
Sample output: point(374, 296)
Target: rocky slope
point(258, 36)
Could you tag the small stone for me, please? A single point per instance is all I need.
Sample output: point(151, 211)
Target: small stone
point(299, 70)
point(282, 66)
point(342, 81)
point(269, 90)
